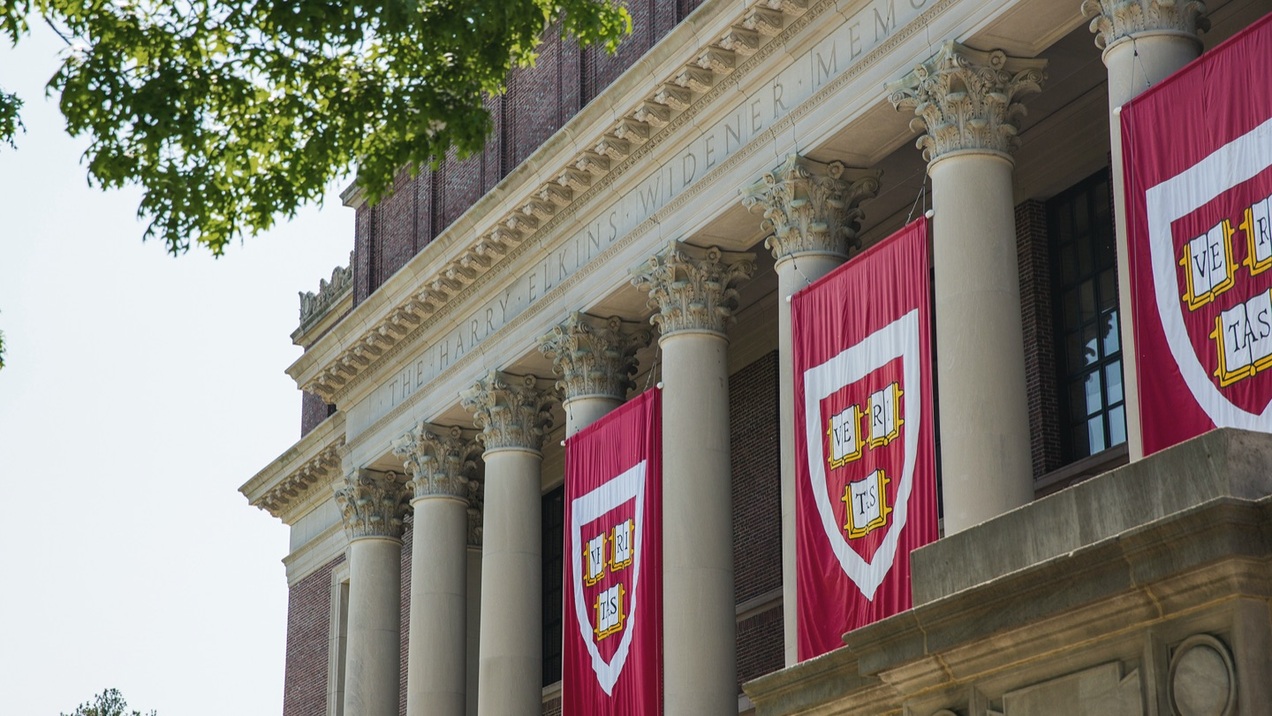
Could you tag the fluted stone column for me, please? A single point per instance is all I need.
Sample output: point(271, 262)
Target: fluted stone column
point(440, 464)
point(813, 214)
point(596, 359)
point(512, 414)
point(1143, 42)
point(692, 290)
point(967, 102)
point(372, 505)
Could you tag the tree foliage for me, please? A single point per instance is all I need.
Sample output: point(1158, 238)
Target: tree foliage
point(108, 703)
point(231, 113)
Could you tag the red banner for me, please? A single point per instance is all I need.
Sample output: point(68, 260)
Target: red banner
point(613, 564)
point(865, 467)
point(1197, 151)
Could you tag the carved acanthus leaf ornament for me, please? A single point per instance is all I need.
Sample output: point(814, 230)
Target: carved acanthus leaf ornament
point(594, 356)
point(372, 504)
point(967, 99)
point(692, 288)
point(1116, 20)
point(510, 410)
point(811, 208)
point(440, 461)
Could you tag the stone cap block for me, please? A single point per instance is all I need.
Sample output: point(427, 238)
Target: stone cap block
point(1224, 463)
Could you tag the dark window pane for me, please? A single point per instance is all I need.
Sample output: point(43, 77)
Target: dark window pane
point(1108, 289)
point(1084, 298)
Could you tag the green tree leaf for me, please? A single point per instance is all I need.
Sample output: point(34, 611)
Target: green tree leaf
point(232, 114)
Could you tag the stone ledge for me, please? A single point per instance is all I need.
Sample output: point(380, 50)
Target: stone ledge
point(1221, 463)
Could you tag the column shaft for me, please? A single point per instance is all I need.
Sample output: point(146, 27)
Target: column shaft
point(984, 417)
point(511, 653)
point(438, 642)
point(700, 668)
point(582, 412)
point(374, 647)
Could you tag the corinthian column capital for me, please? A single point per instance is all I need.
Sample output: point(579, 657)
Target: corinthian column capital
point(594, 356)
point(372, 504)
point(811, 208)
point(510, 410)
point(967, 100)
point(1116, 20)
point(439, 461)
point(692, 288)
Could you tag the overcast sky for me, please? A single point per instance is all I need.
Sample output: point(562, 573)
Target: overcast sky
point(141, 390)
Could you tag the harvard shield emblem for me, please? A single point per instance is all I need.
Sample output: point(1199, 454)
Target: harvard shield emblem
point(608, 527)
point(1210, 244)
point(855, 408)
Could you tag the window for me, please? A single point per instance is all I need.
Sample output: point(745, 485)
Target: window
point(338, 639)
point(553, 582)
point(1088, 338)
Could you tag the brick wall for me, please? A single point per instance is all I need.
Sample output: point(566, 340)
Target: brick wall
point(1037, 319)
point(308, 633)
point(757, 506)
point(312, 412)
point(539, 101)
point(760, 647)
point(757, 512)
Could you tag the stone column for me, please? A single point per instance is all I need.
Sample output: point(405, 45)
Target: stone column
point(596, 359)
point(1143, 42)
point(967, 101)
point(512, 413)
point(812, 211)
point(372, 505)
point(692, 290)
point(440, 463)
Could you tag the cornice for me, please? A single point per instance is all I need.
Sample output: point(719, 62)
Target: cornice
point(303, 471)
point(548, 195)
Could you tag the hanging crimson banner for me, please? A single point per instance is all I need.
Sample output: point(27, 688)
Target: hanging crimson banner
point(1197, 151)
point(865, 457)
point(613, 564)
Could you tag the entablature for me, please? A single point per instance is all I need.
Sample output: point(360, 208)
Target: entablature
point(301, 477)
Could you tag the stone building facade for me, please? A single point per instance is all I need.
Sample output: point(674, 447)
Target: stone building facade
point(641, 218)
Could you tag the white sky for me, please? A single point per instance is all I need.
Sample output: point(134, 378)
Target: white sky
point(141, 390)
